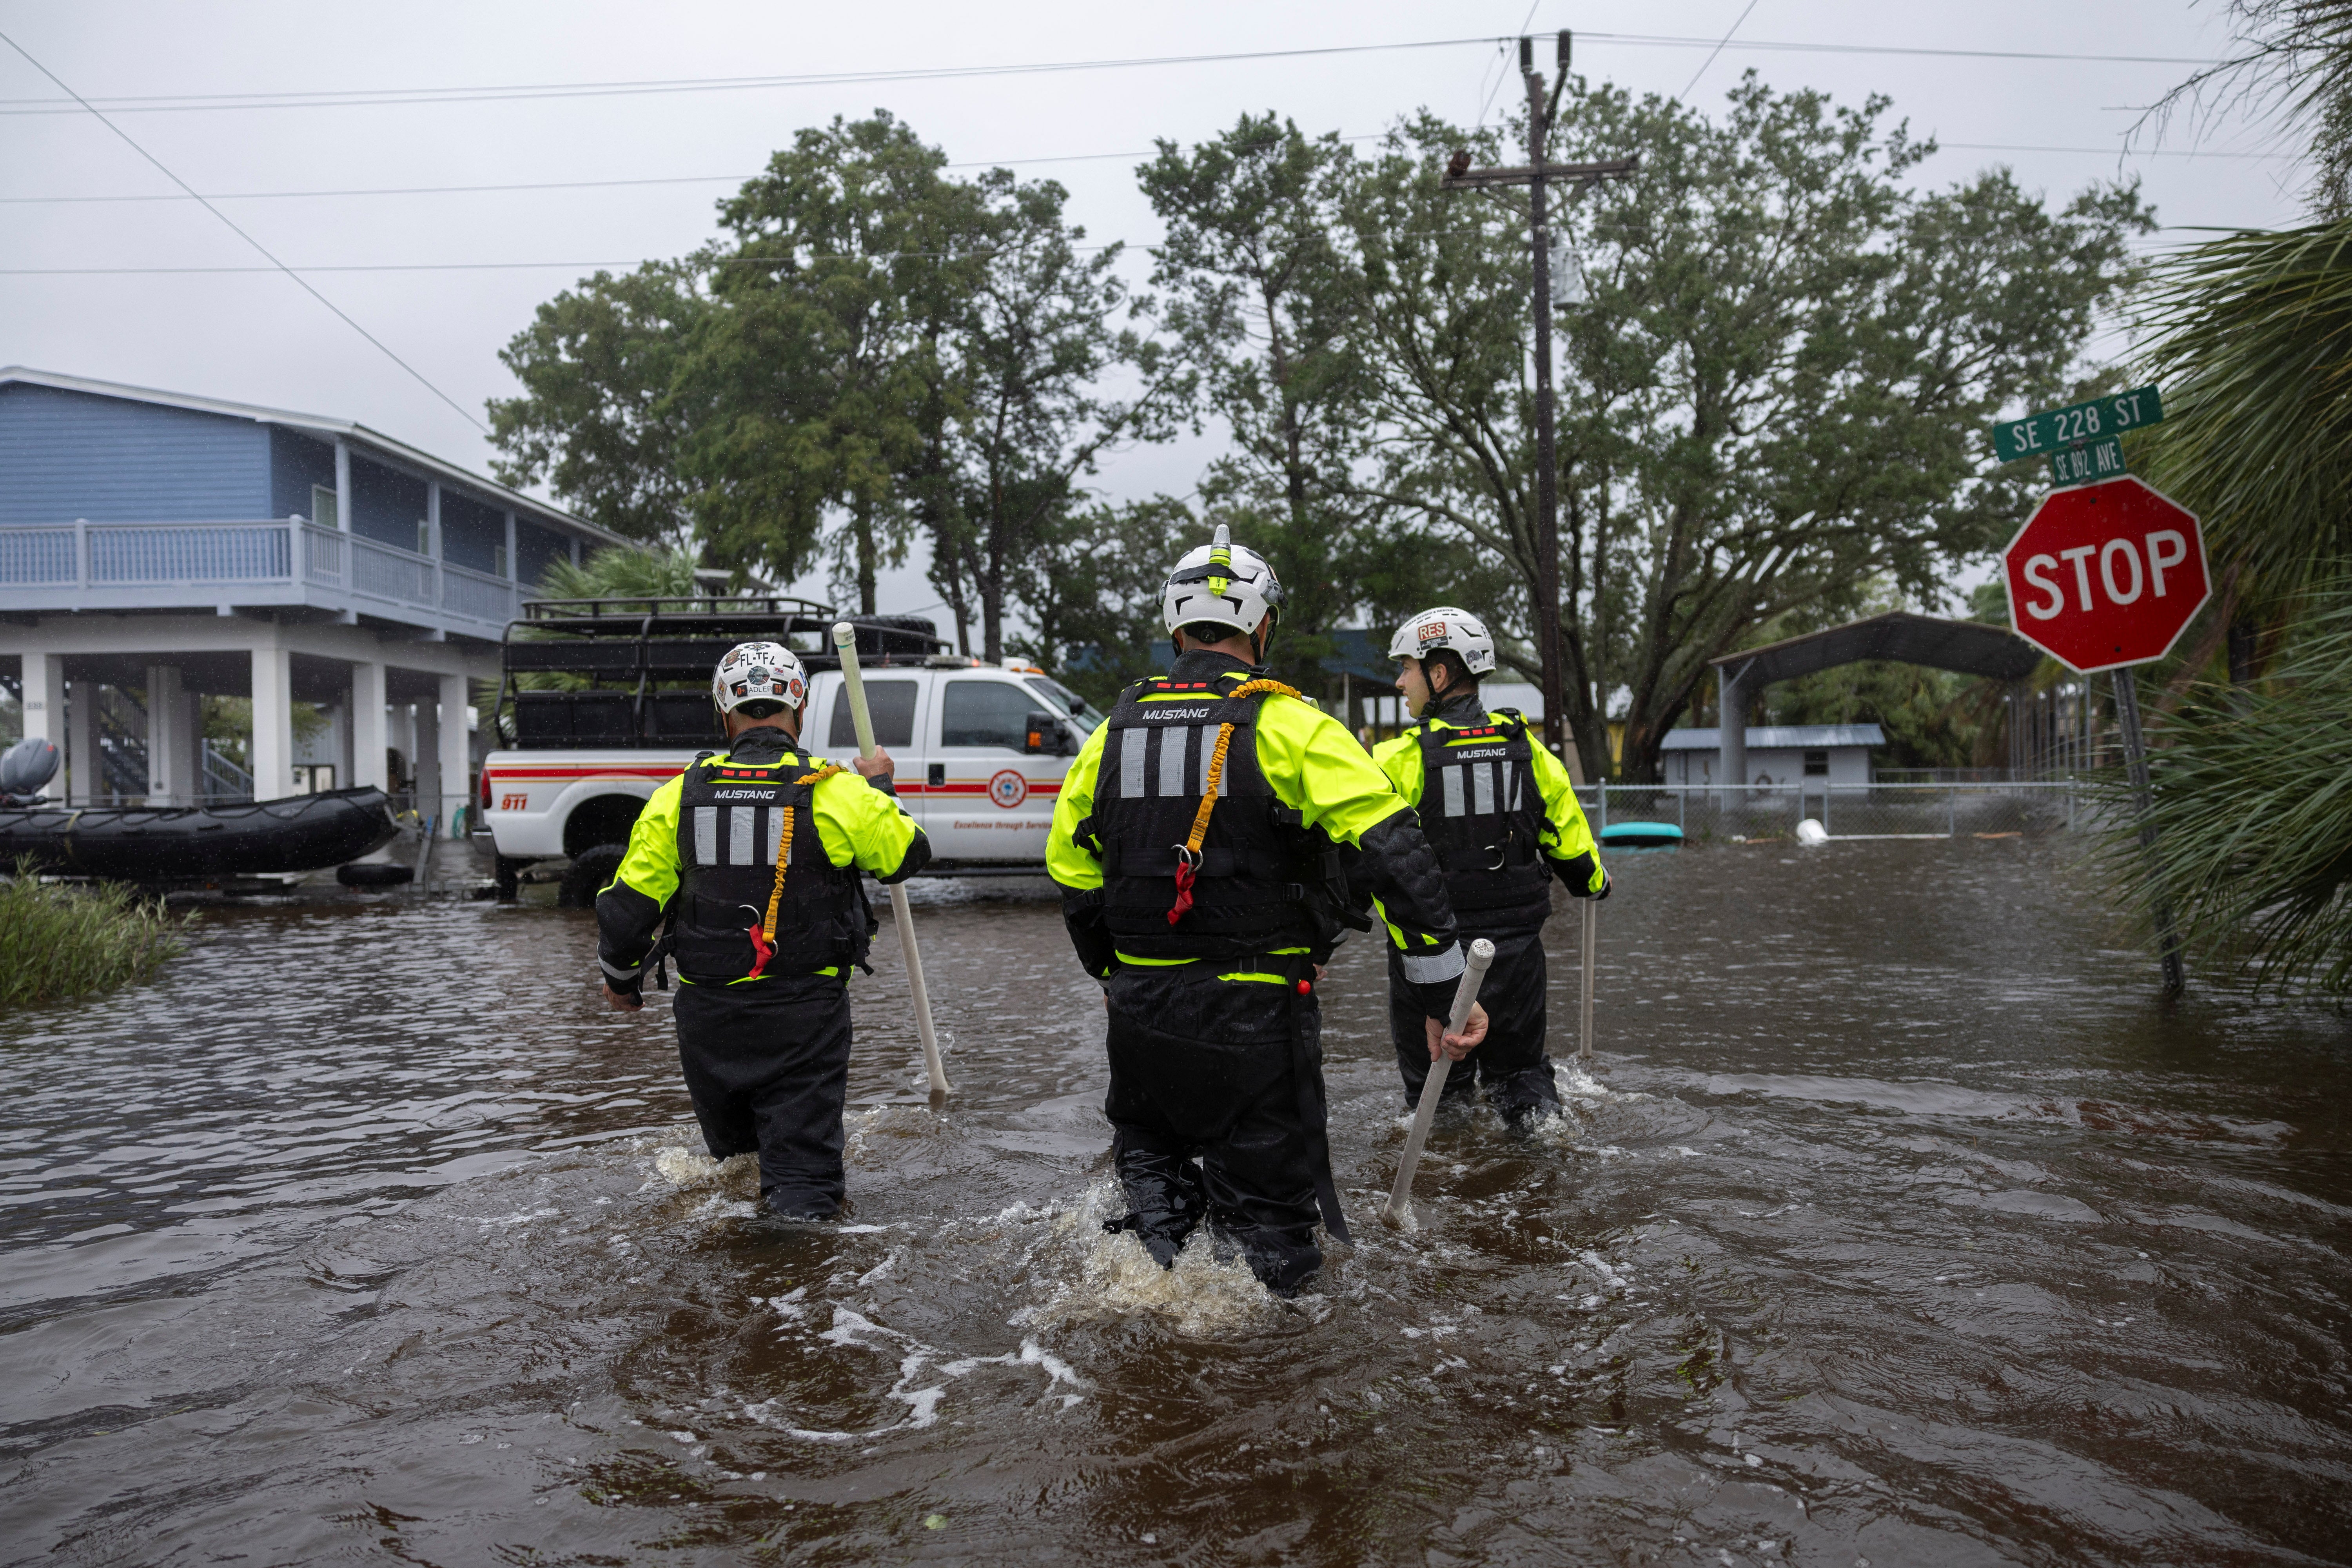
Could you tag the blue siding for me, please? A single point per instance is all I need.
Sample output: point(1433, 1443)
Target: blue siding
point(296, 463)
point(65, 455)
point(537, 549)
point(386, 504)
point(471, 531)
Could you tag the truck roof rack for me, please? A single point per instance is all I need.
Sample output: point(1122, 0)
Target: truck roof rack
point(626, 645)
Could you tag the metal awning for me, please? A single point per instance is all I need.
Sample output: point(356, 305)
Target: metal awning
point(1969, 647)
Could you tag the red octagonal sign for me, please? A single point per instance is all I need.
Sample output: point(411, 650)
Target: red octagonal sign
point(2105, 576)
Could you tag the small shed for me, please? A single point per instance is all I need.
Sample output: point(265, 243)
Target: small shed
point(1804, 755)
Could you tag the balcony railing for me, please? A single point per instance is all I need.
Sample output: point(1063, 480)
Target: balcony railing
point(100, 555)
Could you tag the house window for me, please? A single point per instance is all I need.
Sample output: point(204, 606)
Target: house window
point(499, 560)
point(324, 511)
point(423, 537)
point(1817, 765)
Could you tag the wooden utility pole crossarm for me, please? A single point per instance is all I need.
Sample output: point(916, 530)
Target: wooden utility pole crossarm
point(1525, 174)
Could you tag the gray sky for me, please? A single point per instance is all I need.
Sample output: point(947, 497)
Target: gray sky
point(258, 337)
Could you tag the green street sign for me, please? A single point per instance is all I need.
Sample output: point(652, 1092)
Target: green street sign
point(2053, 430)
point(2089, 464)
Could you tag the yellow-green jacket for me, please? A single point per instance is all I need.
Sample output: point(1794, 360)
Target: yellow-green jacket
point(1317, 769)
point(1565, 838)
point(858, 825)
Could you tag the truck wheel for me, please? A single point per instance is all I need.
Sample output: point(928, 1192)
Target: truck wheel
point(590, 872)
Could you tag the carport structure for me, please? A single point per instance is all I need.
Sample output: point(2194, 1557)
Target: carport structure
point(1966, 647)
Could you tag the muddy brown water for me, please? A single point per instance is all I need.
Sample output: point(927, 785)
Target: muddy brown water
point(1902, 1226)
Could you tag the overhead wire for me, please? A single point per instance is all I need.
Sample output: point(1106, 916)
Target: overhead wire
point(386, 97)
point(508, 187)
point(1715, 53)
point(302, 282)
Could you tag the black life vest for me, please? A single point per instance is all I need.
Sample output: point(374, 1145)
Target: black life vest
point(1262, 880)
point(1483, 814)
point(736, 917)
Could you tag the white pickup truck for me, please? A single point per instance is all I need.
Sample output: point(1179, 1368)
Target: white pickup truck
point(981, 749)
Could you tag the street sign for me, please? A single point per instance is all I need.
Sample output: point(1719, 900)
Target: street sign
point(2105, 576)
point(2044, 434)
point(2088, 465)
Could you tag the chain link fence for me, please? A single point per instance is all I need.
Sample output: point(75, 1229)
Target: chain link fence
point(1947, 810)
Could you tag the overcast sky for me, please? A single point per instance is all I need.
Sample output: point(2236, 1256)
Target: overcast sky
point(468, 268)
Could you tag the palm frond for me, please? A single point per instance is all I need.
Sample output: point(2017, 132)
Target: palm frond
point(2254, 349)
point(2252, 808)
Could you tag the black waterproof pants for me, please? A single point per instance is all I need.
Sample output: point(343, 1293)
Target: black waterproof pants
point(767, 1065)
point(1512, 1063)
point(1208, 1070)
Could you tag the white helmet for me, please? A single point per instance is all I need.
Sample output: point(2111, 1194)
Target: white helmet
point(1225, 584)
point(1446, 626)
point(759, 672)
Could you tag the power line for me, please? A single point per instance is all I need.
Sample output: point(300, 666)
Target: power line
point(985, 163)
point(387, 97)
point(1715, 53)
point(303, 283)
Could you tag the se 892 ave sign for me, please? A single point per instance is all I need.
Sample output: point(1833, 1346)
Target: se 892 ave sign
point(2105, 576)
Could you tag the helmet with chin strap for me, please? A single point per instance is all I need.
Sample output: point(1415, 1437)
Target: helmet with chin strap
point(1446, 628)
point(759, 679)
point(1221, 583)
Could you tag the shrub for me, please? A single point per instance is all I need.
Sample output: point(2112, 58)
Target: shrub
point(64, 942)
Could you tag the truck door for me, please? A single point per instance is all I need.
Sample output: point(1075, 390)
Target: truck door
point(993, 800)
point(895, 703)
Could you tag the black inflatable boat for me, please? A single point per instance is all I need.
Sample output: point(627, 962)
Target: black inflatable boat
point(299, 833)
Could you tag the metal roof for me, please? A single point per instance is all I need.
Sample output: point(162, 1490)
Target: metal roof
point(350, 430)
point(1778, 737)
point(1969, 647)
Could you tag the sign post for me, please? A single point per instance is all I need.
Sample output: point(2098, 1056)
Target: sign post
point(2104, 574)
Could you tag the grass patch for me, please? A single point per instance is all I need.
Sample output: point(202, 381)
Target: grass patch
point(64, 942)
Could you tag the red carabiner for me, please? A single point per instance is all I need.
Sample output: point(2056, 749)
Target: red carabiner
point(1186, 860)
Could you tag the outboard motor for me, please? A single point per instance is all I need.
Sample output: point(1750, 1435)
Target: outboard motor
point(24, 768)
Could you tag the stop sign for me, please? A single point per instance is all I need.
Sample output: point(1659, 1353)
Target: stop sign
point(2104, 576)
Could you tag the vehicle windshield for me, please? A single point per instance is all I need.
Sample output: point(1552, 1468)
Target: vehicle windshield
point(1062, 699)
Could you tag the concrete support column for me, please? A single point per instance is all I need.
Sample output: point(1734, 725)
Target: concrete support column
point(427, 762)
point(368, 737)
point(1731, 736)
point(273, 723)
point(453, 750)
point(83, 784)
point(45, 701)
point(170, 781)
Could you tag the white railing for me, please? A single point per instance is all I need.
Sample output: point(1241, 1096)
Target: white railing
point(324, 558)
point(164, 554)
point(189, 552)
point(385, 572)
point(39, 557)
point(477, 596)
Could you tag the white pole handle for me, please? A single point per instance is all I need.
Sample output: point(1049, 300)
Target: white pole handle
point(844, 641)
point(1592, 944)
point(1466, 996)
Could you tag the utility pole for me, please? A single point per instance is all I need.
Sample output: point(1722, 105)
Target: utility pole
point(1542, 111)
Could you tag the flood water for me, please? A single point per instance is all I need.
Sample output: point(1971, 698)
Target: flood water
point(1899, 1226)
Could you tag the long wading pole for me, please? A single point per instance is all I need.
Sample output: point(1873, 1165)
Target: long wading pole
point(844, 641)
point(1466, 996)
point(2167, 939)
point(1584, 1009)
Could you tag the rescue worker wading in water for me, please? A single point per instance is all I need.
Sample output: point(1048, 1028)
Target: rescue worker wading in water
point(1501, 811)
point(753, 854)
point(1199, 839)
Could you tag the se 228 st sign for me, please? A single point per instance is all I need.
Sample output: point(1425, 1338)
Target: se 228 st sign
point(2105, 576)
